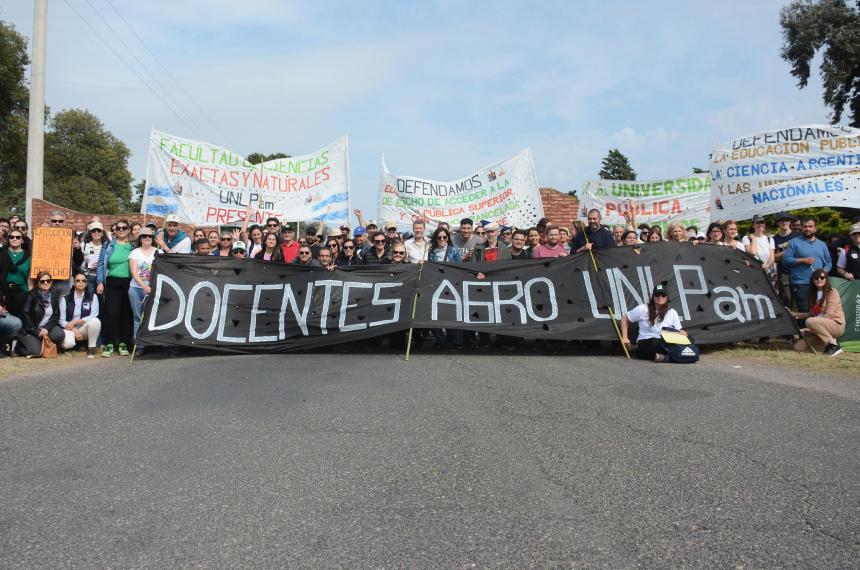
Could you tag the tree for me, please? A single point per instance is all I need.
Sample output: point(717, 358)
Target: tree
point(572, 193)
point(833, 27)
point(616, 166)
point(258, 157)
point(86, 167)
point(134, 205)
point(14, 103)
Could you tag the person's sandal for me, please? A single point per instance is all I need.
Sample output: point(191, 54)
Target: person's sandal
point(659, 358)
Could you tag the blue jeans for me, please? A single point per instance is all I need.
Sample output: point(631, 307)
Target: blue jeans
point(801, 297)
point(135, 296)
point(10, 326)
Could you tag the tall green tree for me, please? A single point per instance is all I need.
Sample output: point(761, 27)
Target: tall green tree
point(14, 103)
point(832, 27)
point(86, 167)
point(258, 157)
point(616, 166)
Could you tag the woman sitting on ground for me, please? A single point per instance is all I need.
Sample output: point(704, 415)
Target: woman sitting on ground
point(652, 318)
point(825, 321)
point(79, 315)
point(41, 317)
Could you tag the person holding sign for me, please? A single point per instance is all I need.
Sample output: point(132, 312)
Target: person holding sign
point(652, 319)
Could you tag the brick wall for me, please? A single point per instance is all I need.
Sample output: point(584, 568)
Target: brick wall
point(79, 220)
point(560, 208)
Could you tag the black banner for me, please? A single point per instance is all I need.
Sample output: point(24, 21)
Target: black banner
point(721, 295)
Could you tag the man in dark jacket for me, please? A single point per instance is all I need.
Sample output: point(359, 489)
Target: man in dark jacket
point(598, 236)
point(492, 249)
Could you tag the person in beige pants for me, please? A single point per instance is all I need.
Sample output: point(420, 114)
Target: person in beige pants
point(825, 321)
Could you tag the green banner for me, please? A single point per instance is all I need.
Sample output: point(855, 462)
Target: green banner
point(849, 292)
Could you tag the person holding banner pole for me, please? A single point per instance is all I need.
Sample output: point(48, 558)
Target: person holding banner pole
point(595, 235)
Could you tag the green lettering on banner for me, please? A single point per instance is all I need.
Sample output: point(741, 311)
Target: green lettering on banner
point(849, 293)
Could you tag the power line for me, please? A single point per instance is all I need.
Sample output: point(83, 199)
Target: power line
point(130, 68)
point(211, 121)
point(145, 68)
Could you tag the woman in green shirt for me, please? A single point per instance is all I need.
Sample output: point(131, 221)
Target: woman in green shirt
point(14, 271)
point(112, 280)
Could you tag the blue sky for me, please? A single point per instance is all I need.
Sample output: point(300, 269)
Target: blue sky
point(441, 88)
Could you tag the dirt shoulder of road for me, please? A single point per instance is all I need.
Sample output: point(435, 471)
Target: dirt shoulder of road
point(18, 366)
point(845, 364)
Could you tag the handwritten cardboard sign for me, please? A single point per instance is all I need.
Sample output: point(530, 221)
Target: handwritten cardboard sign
point(52, 251)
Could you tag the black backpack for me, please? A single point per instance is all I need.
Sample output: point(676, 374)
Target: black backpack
point(680, 353)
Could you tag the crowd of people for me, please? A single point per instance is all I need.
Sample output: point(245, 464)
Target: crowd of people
point(100, 305)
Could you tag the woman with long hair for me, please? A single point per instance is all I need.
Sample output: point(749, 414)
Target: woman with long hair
point(825, 321)
point(41, 317)
point(271, 249)
point(652, 319)
point(676, 232)
point(334, 246)
point(255, 240)
point(113, 278)
point(94, 241)
point(140, 266)
point(197, 235)
point(730, 232)
point(656, 234)
point(761, 246)
point(15, 263)
point(441, 248)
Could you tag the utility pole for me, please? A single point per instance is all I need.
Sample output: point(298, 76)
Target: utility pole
point(36, 130)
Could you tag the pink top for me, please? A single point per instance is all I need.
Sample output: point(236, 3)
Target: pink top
point(546, 251)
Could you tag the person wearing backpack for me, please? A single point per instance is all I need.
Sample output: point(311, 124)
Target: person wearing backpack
point(652, 318)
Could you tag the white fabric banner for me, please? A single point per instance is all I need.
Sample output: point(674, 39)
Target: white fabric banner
point(506, 193)
point(786, 169)
point(207, 184)
point(654, 202)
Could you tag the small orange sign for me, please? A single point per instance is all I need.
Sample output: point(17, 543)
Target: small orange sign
point(52, 251)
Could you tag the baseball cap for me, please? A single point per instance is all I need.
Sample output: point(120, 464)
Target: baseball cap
point(372, 223)
point(855, 229)
point(757, 218)
point(95, 226)
point(661, 289)
point(390, 224)
point(782, 216)
point(287, 228)
point(240, 245)
point(172, 219)
point(491, 226)
point(359, 231)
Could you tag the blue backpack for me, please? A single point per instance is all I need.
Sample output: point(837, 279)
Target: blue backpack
point(680, 353)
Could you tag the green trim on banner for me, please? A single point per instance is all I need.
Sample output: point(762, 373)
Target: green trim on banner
point(849, 294)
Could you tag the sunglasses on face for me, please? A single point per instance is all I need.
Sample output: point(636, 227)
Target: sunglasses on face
point(44, 281)
point(443, 236)
point(399, 253)
point(304, 253)
point(659, 295)
point(270, 225)
point(226, 239)
point(146, 236)
point(349, 247)
point(820, 278)
point(16, 237)
point(80, 280)
point(57, 221)
point(121, 228)
point(379, 241)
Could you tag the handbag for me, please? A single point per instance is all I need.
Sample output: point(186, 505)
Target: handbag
point(49, 349)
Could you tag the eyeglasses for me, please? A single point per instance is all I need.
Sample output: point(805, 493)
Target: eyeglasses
point(379, 241)
point(348, 247)
point(45, 281)
point(146, 236)
point(16, 237)
point(226, 239)
point(442, 236)
point(660, 295)
point(304, 253)
point(121, 228)
point(271, 225)
point(820, 278)
point(58, 221)
point(95, 231)
point(80, 280)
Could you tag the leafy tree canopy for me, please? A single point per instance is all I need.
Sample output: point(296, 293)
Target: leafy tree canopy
point(14, 102)
point(833, 27)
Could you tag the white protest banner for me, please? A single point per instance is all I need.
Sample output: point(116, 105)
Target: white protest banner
point(506, 193)
point(654, 202)
point(786, 169)
point(207, 184)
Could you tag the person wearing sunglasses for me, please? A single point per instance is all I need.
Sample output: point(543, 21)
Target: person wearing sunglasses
point(273, 226)
point(304, 257)
point(349, 255)
point(239, 250)
point(140, 262)
point(378, 254)
point(94, 241)
point(225, 245)
point(41, 317)
point(825, 319)
point(652, 318)
point(441, 248)
point(15, 261)
point(803, 256)
point(79, 316)
point(113, 278)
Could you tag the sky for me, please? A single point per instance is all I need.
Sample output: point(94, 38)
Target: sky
point(442, 88)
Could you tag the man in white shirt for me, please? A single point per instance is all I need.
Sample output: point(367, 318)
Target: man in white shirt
point(417, 247)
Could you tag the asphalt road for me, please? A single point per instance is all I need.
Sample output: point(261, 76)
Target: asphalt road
point(445, 461)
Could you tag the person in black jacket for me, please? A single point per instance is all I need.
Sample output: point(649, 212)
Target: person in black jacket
point(15, 272)
point(41, 317)
point(598, 236)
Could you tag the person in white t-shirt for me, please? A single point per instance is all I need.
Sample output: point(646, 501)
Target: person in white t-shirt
point(140, 262)
point(761, 246)
point(652, 319)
